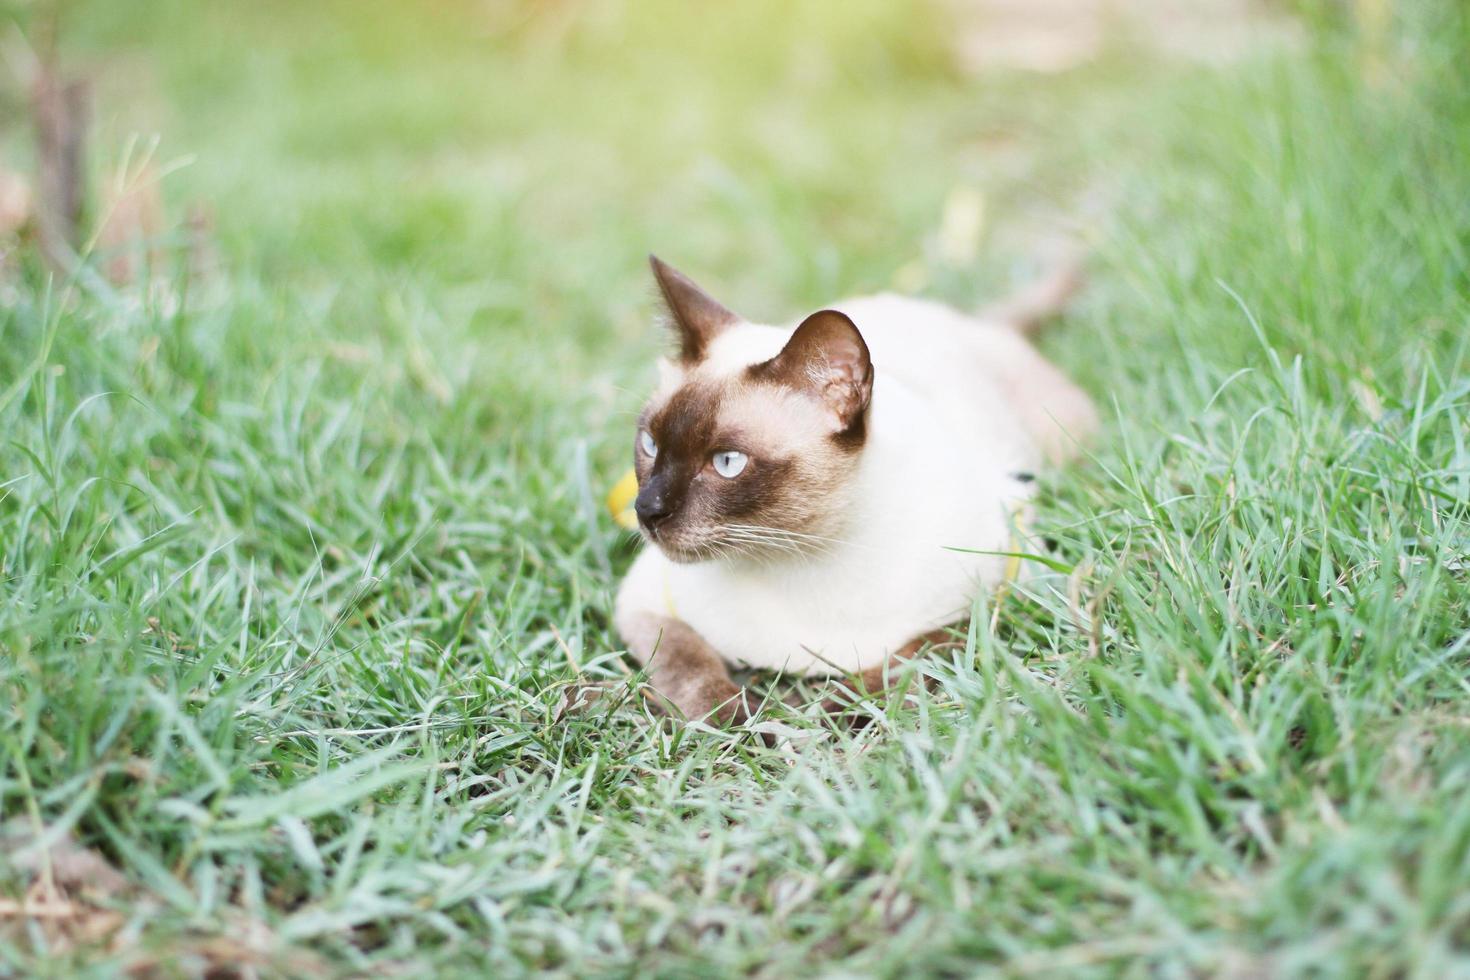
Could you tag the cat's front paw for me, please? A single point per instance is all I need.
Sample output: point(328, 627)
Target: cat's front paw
point(718, 702)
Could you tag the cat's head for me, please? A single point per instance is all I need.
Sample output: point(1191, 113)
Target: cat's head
point(750, 445)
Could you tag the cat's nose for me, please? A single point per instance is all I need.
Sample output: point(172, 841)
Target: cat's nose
point(653, 508)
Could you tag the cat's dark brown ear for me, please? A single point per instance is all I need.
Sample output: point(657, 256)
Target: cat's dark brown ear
point(697, 316)
point(828, 358)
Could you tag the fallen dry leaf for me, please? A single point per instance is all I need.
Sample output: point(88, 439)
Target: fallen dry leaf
point(70, 865)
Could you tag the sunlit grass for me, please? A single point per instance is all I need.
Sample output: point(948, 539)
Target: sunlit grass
point(295, 574)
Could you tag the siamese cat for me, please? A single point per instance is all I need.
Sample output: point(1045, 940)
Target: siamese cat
point(818, 499)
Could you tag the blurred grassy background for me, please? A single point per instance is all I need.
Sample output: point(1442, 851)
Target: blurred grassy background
point(301, 544)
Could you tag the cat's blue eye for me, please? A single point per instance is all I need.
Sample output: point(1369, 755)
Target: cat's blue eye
point(646, 443)
point(729, 463)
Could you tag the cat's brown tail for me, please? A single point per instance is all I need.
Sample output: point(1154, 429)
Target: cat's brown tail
point(1028, 310)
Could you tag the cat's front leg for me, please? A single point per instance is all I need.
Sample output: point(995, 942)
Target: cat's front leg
point(683, 668)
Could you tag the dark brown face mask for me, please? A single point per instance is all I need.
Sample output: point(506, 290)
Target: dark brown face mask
point(683, 431)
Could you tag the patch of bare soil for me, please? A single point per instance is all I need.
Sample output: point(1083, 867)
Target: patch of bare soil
point(60, 898)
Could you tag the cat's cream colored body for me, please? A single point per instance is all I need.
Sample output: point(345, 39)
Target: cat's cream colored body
point(959, 407)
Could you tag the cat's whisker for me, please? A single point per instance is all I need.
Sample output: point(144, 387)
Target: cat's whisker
point(815, 539)
point(753, 533)
point(765, 544)
point(794, 540)
point(741, 538)
point(761, 549)
point(760, 530)
point(767, 530)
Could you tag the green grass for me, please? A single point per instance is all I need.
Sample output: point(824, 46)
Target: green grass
point(299, 556)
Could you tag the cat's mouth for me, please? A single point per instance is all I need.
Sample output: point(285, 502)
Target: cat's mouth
point(678, 549)
point(683, 546)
